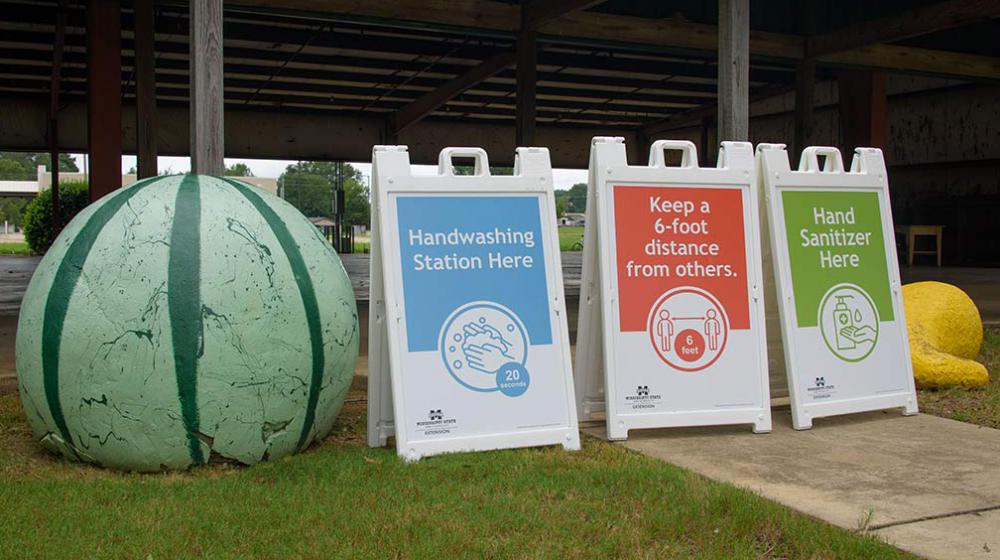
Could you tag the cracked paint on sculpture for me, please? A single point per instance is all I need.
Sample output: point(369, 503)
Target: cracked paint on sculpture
point(182, 318)
point(946, 334)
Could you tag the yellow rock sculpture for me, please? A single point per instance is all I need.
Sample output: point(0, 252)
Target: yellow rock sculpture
point(946, 334)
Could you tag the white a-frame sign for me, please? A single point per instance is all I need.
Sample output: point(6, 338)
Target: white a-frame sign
point(468, 347)
point(838, 285)
point(671, 305)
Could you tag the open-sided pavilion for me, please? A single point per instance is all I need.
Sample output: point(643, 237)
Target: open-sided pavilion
point(327, 79)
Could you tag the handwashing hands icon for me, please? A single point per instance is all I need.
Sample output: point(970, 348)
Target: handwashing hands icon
point(484, 347)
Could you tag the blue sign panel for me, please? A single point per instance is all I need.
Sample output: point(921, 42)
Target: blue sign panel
point(474, 285)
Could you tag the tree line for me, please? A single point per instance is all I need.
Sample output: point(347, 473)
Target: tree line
point(307, 185)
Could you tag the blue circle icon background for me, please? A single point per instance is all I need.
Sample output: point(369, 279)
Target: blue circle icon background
point(513, 379)
point(479, 341)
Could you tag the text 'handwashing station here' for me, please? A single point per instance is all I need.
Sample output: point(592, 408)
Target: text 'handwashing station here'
point(505, 256)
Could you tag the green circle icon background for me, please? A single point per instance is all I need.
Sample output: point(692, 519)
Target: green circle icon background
point(847, 335)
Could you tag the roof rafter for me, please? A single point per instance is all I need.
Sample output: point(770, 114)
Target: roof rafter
point(694, 116)
point(430, 101)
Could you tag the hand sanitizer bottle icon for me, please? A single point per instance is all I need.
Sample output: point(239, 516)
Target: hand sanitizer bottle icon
point(843, 320)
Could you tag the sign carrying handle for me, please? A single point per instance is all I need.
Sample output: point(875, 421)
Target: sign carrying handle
point(809, 162)
point(446, 166)
point(689, 154)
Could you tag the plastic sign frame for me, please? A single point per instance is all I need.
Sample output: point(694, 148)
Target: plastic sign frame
point(666, 389)
point(426, 389)
point(821, 359)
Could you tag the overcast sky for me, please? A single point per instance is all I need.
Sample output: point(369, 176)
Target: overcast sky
point(562, 178)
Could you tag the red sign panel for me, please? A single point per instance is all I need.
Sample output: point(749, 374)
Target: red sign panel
point(669, 238)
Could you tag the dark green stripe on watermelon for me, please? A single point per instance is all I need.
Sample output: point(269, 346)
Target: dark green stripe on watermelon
point(57, 303)
point(184, 303)
point(306, 291)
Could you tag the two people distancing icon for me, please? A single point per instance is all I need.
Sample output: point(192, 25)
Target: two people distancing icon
point(688, 328)
point(712, 329)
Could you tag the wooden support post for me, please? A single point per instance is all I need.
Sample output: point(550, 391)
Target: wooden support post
point(57, 58)
point(805, 99)
point(534, 14)
point(734, 70)
point(805, 81)
point(206, 88)
point(145, 88)
point(707, 153)
point(862, 110)
point(104, 96)
point(527, 77)
point(640, 156)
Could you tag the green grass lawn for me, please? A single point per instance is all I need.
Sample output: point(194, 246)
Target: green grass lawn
point(570, 236)
point(343, 500)
point(14, 249)
point(977, 406)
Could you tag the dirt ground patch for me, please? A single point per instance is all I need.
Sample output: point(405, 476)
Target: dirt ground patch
point(8, 374)
point(976, 406)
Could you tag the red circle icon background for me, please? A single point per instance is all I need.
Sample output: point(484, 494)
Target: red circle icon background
point(685, 355)
point(690, 345)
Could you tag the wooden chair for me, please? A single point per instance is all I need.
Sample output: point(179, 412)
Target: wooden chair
point(912, 232)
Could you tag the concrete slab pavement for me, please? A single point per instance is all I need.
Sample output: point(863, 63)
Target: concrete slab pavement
point(950, 537)
point(15, 272)
point(928, 484)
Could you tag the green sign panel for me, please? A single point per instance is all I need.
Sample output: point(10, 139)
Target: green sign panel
point(839, 268)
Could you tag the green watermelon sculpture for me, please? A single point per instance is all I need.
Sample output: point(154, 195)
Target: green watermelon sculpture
point(186, 318)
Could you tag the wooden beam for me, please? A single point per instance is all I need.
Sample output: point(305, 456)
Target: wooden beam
point(944, 63)
point(805, 81)
point(430, 101)
point(145, 88)
point(527, 84)
point(104, 96)
point(694, 117)
point(207, 131)
point(537, 13)
point(53, 135)
point(734, 70)
point(278, 134)
point(903, 25)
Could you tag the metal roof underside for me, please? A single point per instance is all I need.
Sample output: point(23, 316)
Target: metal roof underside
point(280, 60)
